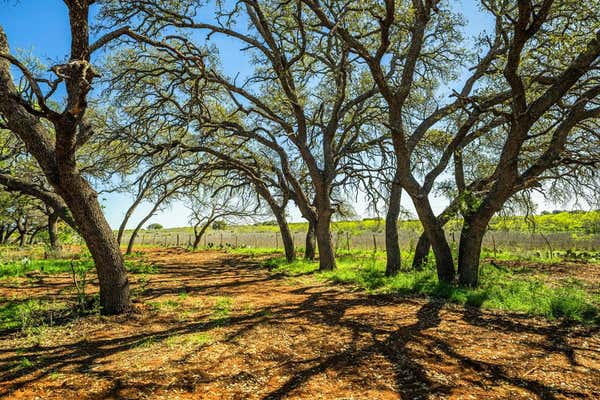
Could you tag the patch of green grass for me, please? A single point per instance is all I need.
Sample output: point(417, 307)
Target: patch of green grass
point(20, 268)
point(254, 251)
point(25, 363)
point(145, 343)
point(500, 288)
point(140, 267)
point(165, 305)
point(221, 310)
point(193, 339)
point(28, 314)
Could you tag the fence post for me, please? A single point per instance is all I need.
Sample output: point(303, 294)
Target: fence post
point(221, 240)
point(178, 240)
point(348, 241)
point(276, 241)
point(374, 243)
point(142, 242)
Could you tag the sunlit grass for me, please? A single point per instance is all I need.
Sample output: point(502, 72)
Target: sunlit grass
point(499, 287)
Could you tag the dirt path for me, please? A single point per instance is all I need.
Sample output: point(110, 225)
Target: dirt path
point(216, 326)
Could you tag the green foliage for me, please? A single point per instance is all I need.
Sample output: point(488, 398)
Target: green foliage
point(140, 267)
point(219, 225)
point(29, 314)
point(155, 227)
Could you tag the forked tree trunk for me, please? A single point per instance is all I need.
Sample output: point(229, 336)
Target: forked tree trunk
point(197, 238)
point(310, 245)
point(392, 246)
point(421, 252)
point(435, 233)
point(326, 251)
point(112, 276)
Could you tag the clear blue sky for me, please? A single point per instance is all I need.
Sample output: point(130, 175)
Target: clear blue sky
point(41, 26)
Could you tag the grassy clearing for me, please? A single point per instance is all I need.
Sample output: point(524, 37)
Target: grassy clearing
point(26, 266)
point(28, 315)
point(499, 288)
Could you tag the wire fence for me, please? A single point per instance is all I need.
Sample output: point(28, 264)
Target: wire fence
point(493, 240)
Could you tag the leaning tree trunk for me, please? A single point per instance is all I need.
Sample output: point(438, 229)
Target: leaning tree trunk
point(392, 246)
point(198, 235)
point(421, 252)
point(145, 219)
point(82, 200)
point(33, 235)
point(469, 250)
point(134, 234)
point(21, 239)
point(435, 233)
point(197, 239)
point(126, 218)
point(53, 230)
point(286, 235)
point(310, 244)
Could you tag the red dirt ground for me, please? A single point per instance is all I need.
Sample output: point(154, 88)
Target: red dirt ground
point(216, 326)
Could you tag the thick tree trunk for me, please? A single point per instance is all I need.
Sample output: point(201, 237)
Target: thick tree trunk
point(310, 243)
point(112, 276)
point(421, 252)
point(53, 230)
point(392, 246)
point(435, 233)
point(469, 251)
point(326, 252)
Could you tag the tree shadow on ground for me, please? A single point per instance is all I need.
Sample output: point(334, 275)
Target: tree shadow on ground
point(409, 343)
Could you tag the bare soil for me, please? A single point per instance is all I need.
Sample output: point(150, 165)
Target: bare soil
point(211, 325)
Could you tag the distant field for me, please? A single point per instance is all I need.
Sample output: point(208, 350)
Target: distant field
point(549, 233)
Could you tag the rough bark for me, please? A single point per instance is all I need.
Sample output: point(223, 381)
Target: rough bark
point(469, 251)
point(421, 252)
point(286, 235)
point(112, 276)
point(56, 152)
point(392, 246)
point(53, 230)
point(326, 251)
point(435, 233)
point(310, 245)
point(199, 234)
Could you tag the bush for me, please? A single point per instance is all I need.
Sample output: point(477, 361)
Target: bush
point(155, 226)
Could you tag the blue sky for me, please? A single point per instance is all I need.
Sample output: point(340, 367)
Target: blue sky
point(41, 27)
